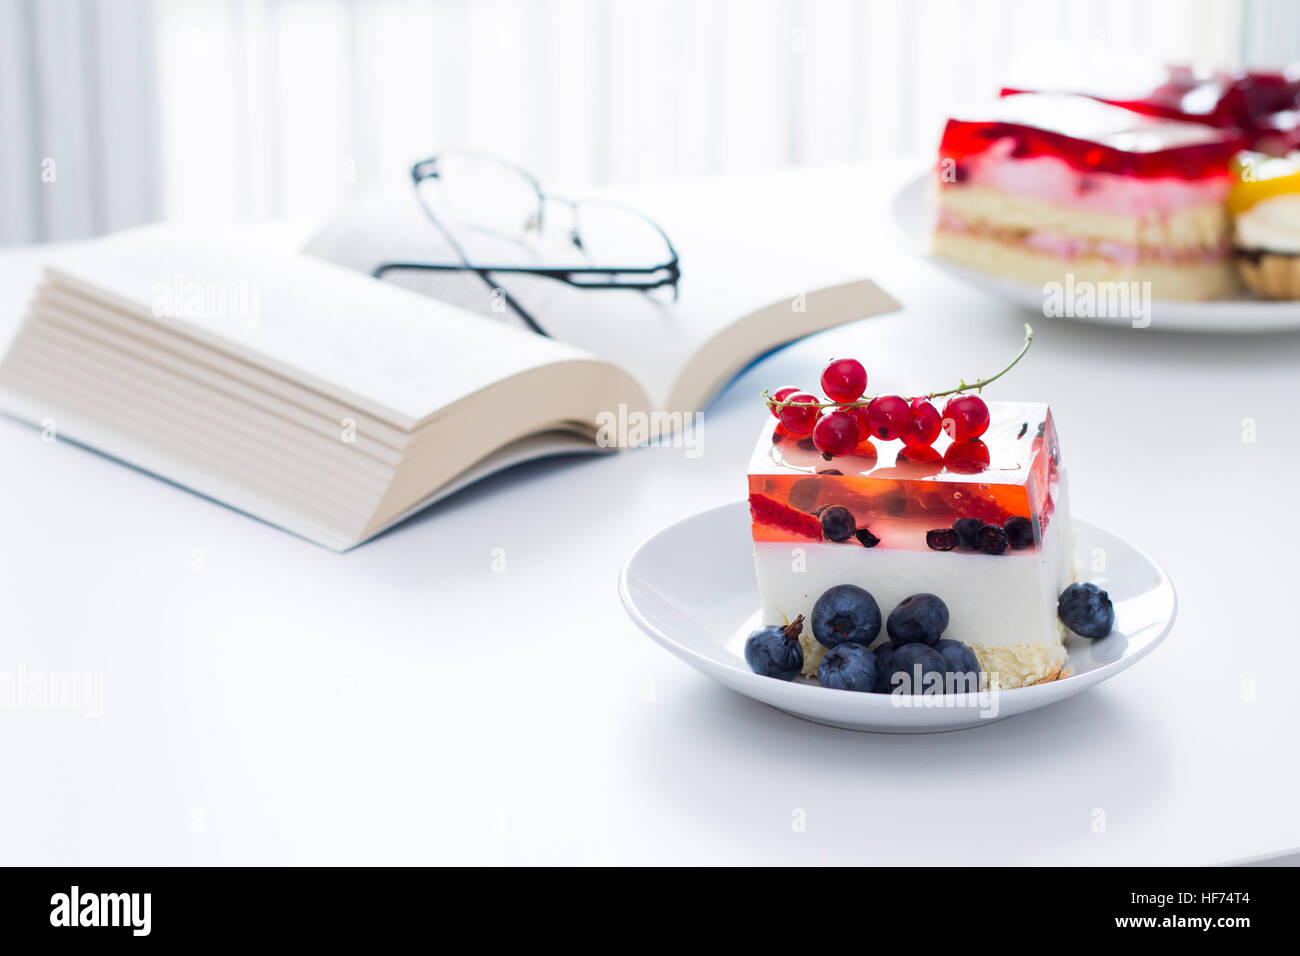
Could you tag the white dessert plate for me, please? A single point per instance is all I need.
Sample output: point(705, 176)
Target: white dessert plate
point(692, 588)
point(914, 218)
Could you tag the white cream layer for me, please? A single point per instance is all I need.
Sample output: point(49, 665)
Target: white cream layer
point(994, 601)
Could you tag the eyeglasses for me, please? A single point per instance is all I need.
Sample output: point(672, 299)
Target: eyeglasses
point(474, 200)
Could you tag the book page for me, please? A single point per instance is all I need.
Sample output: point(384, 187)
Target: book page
point(396, 356)
point(733, 265)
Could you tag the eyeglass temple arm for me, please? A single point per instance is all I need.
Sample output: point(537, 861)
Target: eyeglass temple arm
point(573, 276)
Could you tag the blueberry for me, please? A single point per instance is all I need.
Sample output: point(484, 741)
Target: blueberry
point(941, 539)
point(838, 523)
point(775, 651)
point(966, 529)
point(884, 667)
point(868, 539)
point(918, 662)
point(961, 664)
point(991, 539)
point(845, 614)
point(921, 617)
point(1086, 610)
point(1020, 532)
point(848, 667)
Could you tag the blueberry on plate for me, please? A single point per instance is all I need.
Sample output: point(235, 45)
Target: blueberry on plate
point(1020, 533)
point(775, 651)
point(941, 539)
point(921, 617)
point(1086, 610)
point(962, 666)
point(846, 614)
point(966, 529)
point(991, 539)
point(867, 539)
point(921, 666)
point(837, 523)
point(884, 667)
point(848, 667)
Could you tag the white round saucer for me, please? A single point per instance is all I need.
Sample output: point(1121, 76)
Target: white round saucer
point(691, 587)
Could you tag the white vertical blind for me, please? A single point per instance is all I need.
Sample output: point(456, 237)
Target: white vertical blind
point(78, 118)
point(289, 107)
point(240, 109)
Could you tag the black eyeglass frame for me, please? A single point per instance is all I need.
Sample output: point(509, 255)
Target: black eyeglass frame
point(638, 278)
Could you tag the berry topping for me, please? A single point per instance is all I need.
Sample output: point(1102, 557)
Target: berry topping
point(844, 380)
point(780, 395)
point(965, 417)
point(966, 529)
point(966, 457)
point(859, 412)
point(888, 417)
point(921, 617)
point(836, 433)
point(1020, 532)
point(918, 462)
point(924, 426)
point(776, 515)
point(991, 539)
point(800, 416)
point(775, 651)
point(922, 666)
point(962, 665)
point(837, 523)
point(848, 667)
point(845, 614)
point(1086, 610)
point(884, 667)
point(940, 539)
point(868, 539)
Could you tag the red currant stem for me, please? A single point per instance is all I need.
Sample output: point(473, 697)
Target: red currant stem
point(963, 387)
point(979, 385)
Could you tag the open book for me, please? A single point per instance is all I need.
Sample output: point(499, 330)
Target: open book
point(333, 404)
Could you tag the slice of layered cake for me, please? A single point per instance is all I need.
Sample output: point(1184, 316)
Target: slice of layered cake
point(1044, 186)
point(983, 524)
point(950, 528)
point(1265, 205)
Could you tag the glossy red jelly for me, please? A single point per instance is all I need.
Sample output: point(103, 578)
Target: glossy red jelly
point(900, 493)
point(1245, 99)
point(1092, 137)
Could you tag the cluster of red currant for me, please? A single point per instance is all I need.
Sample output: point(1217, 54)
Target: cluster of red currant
point(838, 426)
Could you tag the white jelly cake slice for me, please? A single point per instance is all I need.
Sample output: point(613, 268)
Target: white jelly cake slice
point(983, 523)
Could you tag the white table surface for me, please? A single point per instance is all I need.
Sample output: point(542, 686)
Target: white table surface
point(268, 701)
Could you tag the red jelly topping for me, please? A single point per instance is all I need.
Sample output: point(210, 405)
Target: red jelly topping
point(898, 493)
point(1092, 136)
point(1242, 99)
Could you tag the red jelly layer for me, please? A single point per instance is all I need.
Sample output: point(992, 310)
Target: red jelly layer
point(899, 494)
point(769, 513)
point(1245, 100)
point(1093, 138)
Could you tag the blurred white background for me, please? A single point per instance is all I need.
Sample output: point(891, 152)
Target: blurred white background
point(115, 112)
